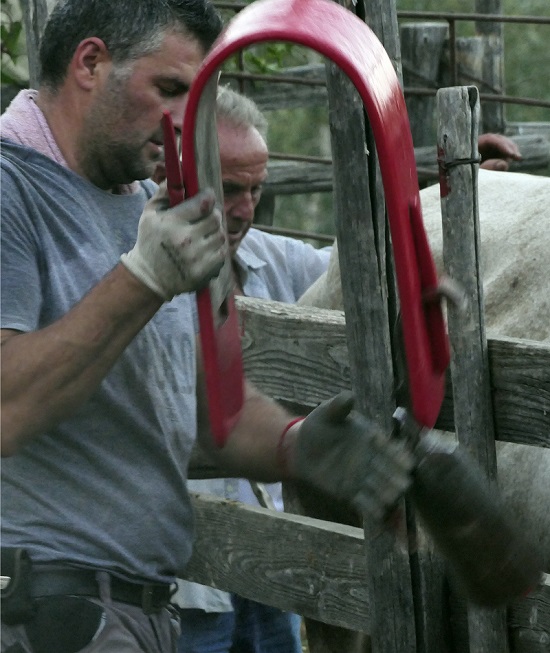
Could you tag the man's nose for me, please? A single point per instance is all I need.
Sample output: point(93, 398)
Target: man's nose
point(177, 110)
point(244, 207)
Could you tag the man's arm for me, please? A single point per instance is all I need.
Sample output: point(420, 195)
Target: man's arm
point(335, 449)
point(48, 374)
point(251, 449)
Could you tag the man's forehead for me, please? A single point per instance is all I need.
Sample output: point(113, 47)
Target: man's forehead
point(244, 175)
point(247, 134)
point(241, 145)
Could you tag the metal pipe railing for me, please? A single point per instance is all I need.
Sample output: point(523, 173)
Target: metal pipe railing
point(452, 18)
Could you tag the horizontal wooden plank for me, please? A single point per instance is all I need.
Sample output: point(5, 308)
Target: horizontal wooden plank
point(294, 177)
point(315, 568)
point(519, 128)
point(535, 149)
point(300, 356)
point(520, 377)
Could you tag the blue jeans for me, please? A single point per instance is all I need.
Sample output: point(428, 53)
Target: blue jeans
point(251, 628)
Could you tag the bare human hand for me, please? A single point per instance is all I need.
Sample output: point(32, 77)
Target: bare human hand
point(497, 151)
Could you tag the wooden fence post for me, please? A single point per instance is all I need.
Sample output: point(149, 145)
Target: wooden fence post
point(493, 114)
point(469, 63)
point(458, 117)
point(362, 234)
point(399, 582)
point(421, 52)
point(361, 237)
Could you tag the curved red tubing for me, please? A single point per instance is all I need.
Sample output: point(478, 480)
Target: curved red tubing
point(339, 35)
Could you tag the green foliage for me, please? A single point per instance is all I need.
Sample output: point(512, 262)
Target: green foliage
point(10, 35)
point(271, 58)
point(13, 52)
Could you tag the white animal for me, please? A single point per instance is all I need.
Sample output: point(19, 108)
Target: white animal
point(514, 213)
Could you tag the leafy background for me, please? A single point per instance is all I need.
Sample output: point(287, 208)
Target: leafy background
point(14, 69)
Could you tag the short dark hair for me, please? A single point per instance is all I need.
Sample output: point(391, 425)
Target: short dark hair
point(129, 29)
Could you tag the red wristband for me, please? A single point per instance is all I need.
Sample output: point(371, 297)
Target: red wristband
point(282, 458)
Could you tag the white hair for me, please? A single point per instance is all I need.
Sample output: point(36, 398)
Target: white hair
point(240, 110)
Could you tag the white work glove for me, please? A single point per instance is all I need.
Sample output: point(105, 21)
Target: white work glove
point(342, 453)
point(178, 249)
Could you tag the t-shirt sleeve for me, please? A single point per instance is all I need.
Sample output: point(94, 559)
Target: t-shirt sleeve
point(21, 295)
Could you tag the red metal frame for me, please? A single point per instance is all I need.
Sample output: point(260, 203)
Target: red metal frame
point(221, 349)
point(339, 35)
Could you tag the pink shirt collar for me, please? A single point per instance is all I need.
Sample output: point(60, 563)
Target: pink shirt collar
point(24, 123)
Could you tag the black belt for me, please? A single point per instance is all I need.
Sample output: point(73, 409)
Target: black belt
point(151, 597)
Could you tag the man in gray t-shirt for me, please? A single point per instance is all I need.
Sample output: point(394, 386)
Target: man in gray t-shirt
point(102, 384)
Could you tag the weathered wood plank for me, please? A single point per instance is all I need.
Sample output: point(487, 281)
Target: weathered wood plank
point(35, 13)
point(493, 63)
point(297, 355)
point(370, 306)
point(467, 67)
point(300, 356)
point(360, 227)
point(457, 133)
point(315, 568)
point(522, 128)
point(520, 378)
point(535, 149)
point(458, 116)
point(421, 51)
point(295, 177)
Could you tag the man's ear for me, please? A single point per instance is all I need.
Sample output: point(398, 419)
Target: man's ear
point(89, 58)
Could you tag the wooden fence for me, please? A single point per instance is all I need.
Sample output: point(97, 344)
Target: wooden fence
point(301, 357)
point(317, 568)
point(431, 57)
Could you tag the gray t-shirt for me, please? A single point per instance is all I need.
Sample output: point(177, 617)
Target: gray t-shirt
point(105, 488)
